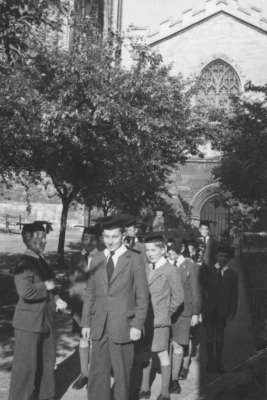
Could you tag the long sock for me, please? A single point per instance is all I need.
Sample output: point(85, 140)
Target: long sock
point(177, 359)
point(84, 359)
point(165, 380)
point(146, 376)
point(187, 358)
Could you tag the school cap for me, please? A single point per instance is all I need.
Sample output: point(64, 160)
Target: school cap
point(36, 226)
point(176, 245)
point(224, 248)
point(153, 237)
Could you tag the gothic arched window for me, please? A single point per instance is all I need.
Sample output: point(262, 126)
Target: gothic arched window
point(217, 82)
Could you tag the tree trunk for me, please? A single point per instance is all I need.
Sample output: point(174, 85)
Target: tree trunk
point(62, 232)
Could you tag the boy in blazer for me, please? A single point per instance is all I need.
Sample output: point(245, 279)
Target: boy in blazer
point(114, 312)
point(186, 316)
point(220, 300)
point(166, 295)
point(34, 355)
point(79, 273)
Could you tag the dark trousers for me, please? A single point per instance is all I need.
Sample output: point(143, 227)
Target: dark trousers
point(108, 356)
point(215, 338)
point(33, 366)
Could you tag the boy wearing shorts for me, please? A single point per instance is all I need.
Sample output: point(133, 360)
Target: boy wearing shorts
point(166, 295)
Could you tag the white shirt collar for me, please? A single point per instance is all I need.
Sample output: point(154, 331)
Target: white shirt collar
point(180, 260)
point(159, 263)
point(217, 266)
point(121, 250)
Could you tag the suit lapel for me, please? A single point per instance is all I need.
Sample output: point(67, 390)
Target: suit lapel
point(152, 276)
point(102, 266)
point(121, 264)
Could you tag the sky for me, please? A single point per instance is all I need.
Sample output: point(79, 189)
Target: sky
point(152, 12)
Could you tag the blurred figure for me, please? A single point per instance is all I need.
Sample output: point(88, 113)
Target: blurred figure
point(79, 275)
point(220, 300)
point(158, 224)
point(187, 316)
point(34, 356)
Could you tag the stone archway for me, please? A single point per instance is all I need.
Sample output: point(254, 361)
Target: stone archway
point(207, 205)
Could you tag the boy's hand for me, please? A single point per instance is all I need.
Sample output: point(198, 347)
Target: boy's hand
point(61, 304)
point(86, 333)
point(194, 320)
point(50, 285)
point(135, 334)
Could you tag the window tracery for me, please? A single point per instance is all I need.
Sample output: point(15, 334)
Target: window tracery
point(217, 82)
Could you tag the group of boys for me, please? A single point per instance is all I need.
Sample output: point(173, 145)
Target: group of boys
point(140, 289)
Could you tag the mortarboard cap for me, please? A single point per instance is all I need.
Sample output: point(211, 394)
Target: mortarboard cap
point(91, 230)
point(176, 245)
point(112, 222)
point(36, 226)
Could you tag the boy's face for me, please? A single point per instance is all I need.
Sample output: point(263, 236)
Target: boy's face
point(37, 242)
point(154, 252)
point(113, 238)
point(222, 259)
point(204, 230)
point(131, 231)
point(172, 255)
point(192, 250)
point(89, 242)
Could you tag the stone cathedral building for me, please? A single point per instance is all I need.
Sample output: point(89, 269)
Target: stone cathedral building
point(225, 43)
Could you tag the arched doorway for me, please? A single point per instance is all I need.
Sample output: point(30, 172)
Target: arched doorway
point(208, 204)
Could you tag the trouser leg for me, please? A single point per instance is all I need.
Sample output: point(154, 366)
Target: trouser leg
point(99, 373)
point(46, 363)
point(121, 356)
point(165, 372)
point(210, 342)
point(177, 359)
point(219, 345)
point(22, 386)
point(84, 356)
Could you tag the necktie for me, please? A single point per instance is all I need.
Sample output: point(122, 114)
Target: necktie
point(110, 265)
point(219, 274)
point(153, 266)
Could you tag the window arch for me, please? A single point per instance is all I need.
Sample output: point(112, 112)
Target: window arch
point(217, 82)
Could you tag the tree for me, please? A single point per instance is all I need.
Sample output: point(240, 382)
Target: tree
point(242, 138)
point(101, 132)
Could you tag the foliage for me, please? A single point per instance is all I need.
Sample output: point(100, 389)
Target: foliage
point(241, 136)
point(20, 23)
point(104, 134)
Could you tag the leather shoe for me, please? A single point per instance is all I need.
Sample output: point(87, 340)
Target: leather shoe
point(161, 397)
point(144, 394)
point(175, 387)
point(183, 373)
point(80, 382)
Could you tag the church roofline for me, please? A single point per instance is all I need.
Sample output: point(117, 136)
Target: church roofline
point(251, 16)
point(157, 38)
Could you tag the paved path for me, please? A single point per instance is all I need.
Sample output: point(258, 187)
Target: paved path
point(239, 347)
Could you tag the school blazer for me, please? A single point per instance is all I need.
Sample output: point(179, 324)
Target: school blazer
point(189, 272)
point(35, 307)
point(166, 293)
point(122, 303)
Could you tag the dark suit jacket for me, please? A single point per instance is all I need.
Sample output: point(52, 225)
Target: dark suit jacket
point(219, 296)
point(123, 302)
point(191, 285)
point(209, 256)
point(33, 312)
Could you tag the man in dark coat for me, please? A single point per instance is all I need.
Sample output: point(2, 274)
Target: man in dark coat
point(220, 301)
point(114, 312)
point(34, 357)
point(208, 243)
